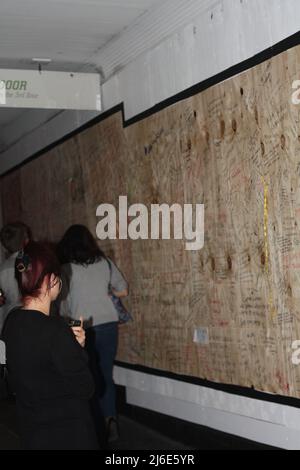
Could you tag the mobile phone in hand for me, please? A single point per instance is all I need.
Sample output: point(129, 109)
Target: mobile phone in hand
point(74, 323)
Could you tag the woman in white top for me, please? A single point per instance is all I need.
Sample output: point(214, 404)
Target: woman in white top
point(88, 276)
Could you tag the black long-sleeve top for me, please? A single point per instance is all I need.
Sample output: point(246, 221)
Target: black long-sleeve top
point(48, 371)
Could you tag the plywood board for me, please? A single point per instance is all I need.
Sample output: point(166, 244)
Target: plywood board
point(234, 147)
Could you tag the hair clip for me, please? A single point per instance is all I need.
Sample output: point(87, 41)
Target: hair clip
point(23, 262)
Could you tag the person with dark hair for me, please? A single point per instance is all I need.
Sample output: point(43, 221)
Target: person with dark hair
point(13, 237)
point(47, 365)
point(90, 272)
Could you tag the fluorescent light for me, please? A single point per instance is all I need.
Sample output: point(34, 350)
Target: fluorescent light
point(45, 61)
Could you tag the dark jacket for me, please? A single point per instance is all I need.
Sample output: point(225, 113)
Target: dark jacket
point(48, 371)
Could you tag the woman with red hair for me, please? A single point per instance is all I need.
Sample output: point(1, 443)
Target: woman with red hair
point(47, 367)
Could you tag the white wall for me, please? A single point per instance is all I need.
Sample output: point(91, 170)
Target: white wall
point(269, 423)
point(193, 40)
point(46, 133)
point(225, 34)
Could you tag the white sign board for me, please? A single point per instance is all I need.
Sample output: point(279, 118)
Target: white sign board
point(49, 90)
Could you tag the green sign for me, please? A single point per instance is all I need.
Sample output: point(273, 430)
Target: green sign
point(16, 85)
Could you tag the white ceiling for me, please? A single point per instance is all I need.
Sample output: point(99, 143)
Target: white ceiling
point(69, 32)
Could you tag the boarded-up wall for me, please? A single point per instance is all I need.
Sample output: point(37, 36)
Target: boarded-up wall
point(234, 147)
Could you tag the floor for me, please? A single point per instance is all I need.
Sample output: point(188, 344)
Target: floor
point(133, 436)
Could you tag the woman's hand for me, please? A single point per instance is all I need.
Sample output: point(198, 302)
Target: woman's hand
point(122, 293)
point(79, 333)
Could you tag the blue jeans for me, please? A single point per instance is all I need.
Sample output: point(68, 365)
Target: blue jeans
point(101, 345)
